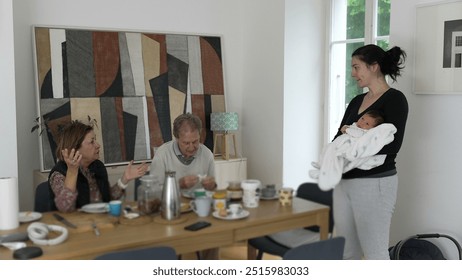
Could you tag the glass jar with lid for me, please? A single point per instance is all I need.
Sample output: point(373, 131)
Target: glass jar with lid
point(149, 195)
point(234, 191)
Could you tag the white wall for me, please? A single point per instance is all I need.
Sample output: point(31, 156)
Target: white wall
point(429, 166)
point(304, 56)
point(253, 57)
point(262, 76)
point(8, 144)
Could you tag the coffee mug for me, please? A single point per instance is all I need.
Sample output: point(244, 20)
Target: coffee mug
point(115, 207)
point(235, 209)
point(251, 194)
point(201, 206)
point(285, 196)
point(199, 192)
point(269, 191)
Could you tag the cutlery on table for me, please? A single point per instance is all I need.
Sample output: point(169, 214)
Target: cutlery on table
point(63, 220)
point(95, 228)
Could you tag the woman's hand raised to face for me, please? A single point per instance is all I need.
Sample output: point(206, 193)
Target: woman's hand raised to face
point(72, 158)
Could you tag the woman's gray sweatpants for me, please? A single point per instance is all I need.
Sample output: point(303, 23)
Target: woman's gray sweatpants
point(362, 214)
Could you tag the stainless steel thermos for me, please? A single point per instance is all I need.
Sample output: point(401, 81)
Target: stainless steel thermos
point(170, 208)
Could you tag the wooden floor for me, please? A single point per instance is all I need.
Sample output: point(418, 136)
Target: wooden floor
point(235, 252)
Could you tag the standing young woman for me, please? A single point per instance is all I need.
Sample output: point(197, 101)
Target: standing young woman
point(364, 200)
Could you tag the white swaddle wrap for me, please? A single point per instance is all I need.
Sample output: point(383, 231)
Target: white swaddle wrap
point(347, 152)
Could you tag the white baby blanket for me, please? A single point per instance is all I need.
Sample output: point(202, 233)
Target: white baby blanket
point(347, 152)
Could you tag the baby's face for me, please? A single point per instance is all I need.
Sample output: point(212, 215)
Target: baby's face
point(366, 122)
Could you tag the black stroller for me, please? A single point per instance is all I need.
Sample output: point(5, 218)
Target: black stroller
point(415, 248)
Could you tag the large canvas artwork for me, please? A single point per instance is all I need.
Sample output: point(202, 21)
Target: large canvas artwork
point(130, 85)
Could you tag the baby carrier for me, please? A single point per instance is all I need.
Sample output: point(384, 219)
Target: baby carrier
point(415, 248)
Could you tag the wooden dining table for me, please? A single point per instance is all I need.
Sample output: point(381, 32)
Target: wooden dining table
point(122, 234)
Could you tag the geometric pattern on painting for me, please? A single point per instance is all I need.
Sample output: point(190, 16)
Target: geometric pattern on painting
point(177, 73)
point(177, 46)
point(133, 84)
point(197, 108)
point(46, 91)
point(177, 103)
point(129, 135)
point(115, 89)
point(111, 140)
point(126, 71)
point(208, 141)
point(201, 106)
point(106, 63)
point(196, 84)
point(134, 106)
point(56, 114)
point(162, 105)
point(152, 61)
point(212, 73)
point(58, 63)
point(42, 48)
point(79, 56)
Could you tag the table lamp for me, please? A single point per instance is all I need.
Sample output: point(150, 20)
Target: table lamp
point(221, 123)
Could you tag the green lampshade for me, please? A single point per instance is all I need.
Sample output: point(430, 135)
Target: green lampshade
point(224, 121)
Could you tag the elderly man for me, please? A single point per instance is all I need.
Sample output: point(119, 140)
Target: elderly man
point(191, 160)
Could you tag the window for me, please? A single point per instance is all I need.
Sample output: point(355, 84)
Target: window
point(354, 23)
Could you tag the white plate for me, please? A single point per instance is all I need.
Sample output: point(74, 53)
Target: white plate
point(25, 217)
point(242, 215)
point(131, 215)
point(95, 208)
point(187, 194)
point(276, 196)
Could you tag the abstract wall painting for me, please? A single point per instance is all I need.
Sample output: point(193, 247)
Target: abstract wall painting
point(131, 85)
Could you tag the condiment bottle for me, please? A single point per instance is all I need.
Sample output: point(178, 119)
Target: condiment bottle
point(219, 200)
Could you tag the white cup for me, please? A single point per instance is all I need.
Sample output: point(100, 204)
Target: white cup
point(201, 206)
point(235, 209)
point(251, 193)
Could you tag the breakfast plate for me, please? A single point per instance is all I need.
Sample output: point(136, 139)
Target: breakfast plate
point(95, 208)
point(187, 194)
point(243, 214)
point(28, 216)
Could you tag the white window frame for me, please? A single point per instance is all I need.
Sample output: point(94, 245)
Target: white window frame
point(335, 97)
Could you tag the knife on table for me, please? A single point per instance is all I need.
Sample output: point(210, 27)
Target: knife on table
point(95, 229)
point(63, 220)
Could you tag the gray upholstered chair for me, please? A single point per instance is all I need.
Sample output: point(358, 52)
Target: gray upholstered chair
point(42, 198)
point(270, 245)
point(329, 249)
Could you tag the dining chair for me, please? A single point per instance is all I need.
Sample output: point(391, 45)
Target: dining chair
point(42, 198)
point(271, 245)
point(329, 249)
point(152, 253)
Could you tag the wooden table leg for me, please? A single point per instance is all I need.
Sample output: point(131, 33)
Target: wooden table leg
point(251, 252)
point(323, 222)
